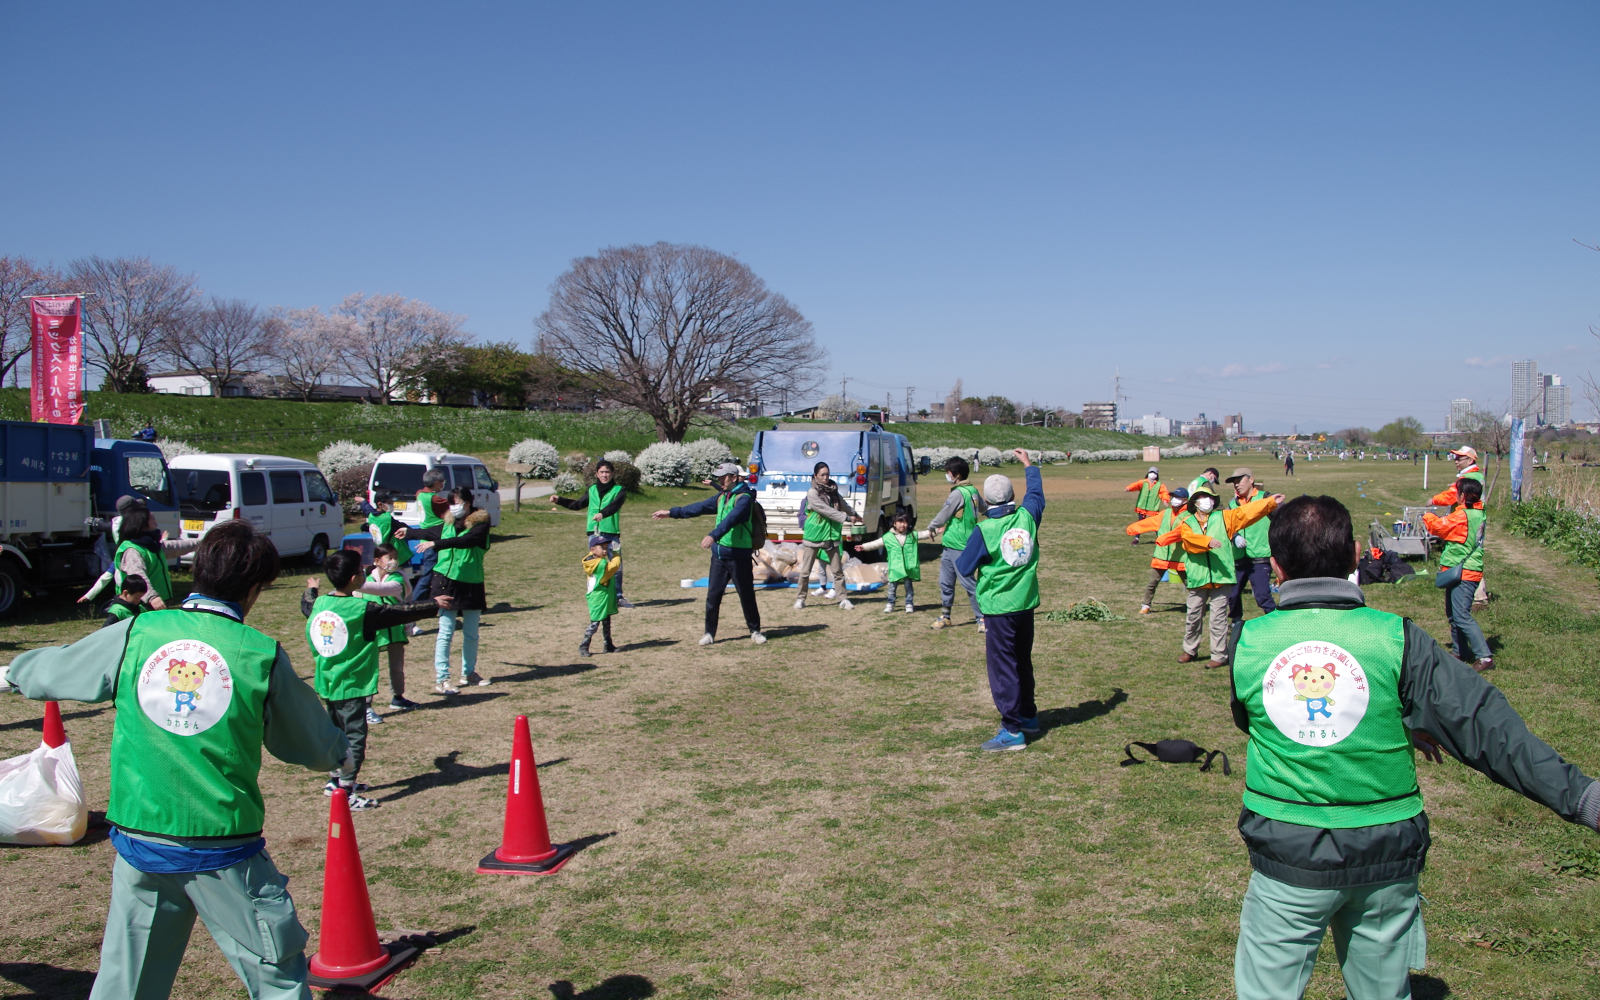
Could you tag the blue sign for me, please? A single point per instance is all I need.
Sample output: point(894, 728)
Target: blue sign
point(1516, 459)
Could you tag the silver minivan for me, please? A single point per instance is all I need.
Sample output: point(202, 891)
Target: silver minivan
point(286, 498)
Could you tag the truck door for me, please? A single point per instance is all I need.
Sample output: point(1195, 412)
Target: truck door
point(291, 531)
point(253, 500)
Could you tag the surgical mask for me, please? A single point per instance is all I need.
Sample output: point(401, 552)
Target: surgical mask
point(1176, 503)
point(1204, 505)
point(949, 478)
point(1152, 477)
point(457, 509)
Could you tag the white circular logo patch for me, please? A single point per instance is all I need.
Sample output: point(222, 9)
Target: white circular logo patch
point(1016, 547)
point(1315, 693)
point(185, 687)
point(328, 632)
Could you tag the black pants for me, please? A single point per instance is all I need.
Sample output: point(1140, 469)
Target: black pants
point(350, 716)
point(1258, 574)
point(733, 567)
point(1008, 646)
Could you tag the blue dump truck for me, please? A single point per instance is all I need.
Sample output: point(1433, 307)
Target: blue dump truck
point(59, 486)
point(874, 468)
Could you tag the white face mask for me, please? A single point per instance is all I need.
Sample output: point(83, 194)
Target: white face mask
point(1152, 477)
point(949, 478)
point(1204, 505)
point(457, 509)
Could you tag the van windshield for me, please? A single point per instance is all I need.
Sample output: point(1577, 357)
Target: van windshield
point(798, 452)
point(202, 491)
point(403, 479)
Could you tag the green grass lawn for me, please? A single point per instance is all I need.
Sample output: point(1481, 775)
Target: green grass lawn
point(810, 818)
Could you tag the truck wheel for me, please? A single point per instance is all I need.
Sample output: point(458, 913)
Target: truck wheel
point(319, 550)
point(10, 588)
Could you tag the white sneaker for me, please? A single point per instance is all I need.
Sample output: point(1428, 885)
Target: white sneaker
point(373, 718)
point(909, 608)
point(845, 604)
point(707, 639)
point(830, 593)
point(800, 604)
point(757, 638)
point(888, 609)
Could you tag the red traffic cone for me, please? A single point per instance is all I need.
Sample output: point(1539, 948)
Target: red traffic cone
point(525, 847)
point(349, 956)
point(55, 733)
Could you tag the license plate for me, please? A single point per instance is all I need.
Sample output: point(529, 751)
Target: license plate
point(400, 505)
point(778, 489)
point(194, 525)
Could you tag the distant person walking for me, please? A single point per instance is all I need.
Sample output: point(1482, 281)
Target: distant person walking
point(602, 504)
point(1252, 555)
point(1288, 462)
point(957, 519)
point(1462, 532)
point(1153, 496)
point(732, 543)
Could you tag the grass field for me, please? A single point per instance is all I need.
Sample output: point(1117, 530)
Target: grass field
point(811, 818)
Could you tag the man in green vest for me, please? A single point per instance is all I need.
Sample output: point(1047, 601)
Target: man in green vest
point(602, 505)
point(732, 543)
point(1003, 556)
point(957, 519)
point(1333, 696)
point(199, 694)
point(1252, 551)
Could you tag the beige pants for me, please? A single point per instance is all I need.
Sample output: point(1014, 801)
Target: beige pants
point(1195, 610)
point(833, 570)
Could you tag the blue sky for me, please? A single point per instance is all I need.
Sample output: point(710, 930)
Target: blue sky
point(1320, 215)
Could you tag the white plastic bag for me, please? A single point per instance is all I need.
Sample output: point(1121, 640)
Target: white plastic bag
point(41, 798)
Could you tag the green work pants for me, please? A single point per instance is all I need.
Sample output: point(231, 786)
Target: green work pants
point(245, 906)
point(1377, 933)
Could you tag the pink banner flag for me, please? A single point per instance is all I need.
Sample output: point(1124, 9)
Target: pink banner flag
point(57, 382)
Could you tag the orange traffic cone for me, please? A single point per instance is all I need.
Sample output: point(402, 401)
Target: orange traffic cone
point(525, 847)
point(349, 956)
point(55, 733)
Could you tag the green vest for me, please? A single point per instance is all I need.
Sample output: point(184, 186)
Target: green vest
point(1149, 496)
point(119, 611)
point(382, 527)
point(429, 518)
point(1009, 581)
point(394, 634)
point(901, 553)
point(738, 536)
point(462, 565)
point(186, 747)
point(820, 529)
point(959, 528)
point(347, 662)
point(1255, 536)
point(1321, 689)
point(1213, 566)
point(1455, 551)
point(1167, 551)
point(602, 597)
point(155, 569)
point(609, 525)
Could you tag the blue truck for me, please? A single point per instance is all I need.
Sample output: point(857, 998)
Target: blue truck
point(59, 486)
point(874, 468)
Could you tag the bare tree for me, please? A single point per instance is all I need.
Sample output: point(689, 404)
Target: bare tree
point(135, 305)
point(1490, 434)
point(19, 279)
point(221, 341)
point(309, 345)
point(396, 337)
point(669, 328)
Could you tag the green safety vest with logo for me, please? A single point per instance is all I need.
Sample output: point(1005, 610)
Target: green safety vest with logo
point(1321, 690)
point(347, 662)
point(395, 634)
point(429, 518)
point(1255, 535)
point(186, 748)
point(738, 536)
point(900, 553)
point(462, 565)
point(959, 528)
point(1454, 552)
point(1009, 581)
point(1169, 551)
point(1213, 567)
point(602, 597)
point(155, 570)
point(382, 528)
point(1149, 496)
point(611, 524)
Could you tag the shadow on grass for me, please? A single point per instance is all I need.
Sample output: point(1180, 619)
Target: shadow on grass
point(785, 631)
point(1081, 712)
point(1429, 988)
point(537, 673)
point(648, 644)
point(457, 700)
point(616, 988)
point(41, 981)
point(663, 602)
point(447, 773)
point(506, 608)
point(38, 724)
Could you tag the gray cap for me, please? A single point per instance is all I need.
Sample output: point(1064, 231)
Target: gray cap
point(126, 503)
point(997, 489)
point(1153, 469)
point(726, 469)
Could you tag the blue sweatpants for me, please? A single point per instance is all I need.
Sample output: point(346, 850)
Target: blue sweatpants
point(1008, 647)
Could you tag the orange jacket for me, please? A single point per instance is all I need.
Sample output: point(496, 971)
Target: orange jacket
point(1235, 519)
point(1448, 497)
point(1452, 528)
point(1165, 496)
point(1153, 523)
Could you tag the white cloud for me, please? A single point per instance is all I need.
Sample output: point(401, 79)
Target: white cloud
point(1237, 370)
point(1498, 361)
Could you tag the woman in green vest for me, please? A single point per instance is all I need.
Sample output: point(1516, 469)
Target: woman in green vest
point(822, 536)
point(143, 550)
point(1208, 564)
point(461, 540)
point(602, 506)
point(1462, 532)
point(900, 553)
point(1167, 559)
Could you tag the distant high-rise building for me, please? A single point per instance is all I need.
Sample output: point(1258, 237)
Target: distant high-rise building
point(1155, 425)
point(1556, 405)
point(1527, 391)
point(1233, 425)
point(1102, 415)
point(1460, 415)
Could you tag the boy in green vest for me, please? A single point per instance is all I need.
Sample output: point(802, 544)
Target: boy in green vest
point(1003, 556)
point(1208, 566)
point(128, 603)
point(385, 585)
point(601, 571)
point(342, 631)
point(957, 518)
point(602, 504)
point(1333, 696)
point(383, 525)
point(900, 552)
point(199, 695)
point(1252, 552)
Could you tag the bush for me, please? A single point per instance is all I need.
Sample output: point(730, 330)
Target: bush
point(1182, 452)
point(1048, 457)
point(665, 463)
point(705, 455)
point(574, 461)
point(617, 455)
point(625, 473)
point(990, 456)
point(566, 482)
point(1109, 455)
point(350, 486)
point(541, 455)
point(422, 446)
point(342, 455)
point(175, 449)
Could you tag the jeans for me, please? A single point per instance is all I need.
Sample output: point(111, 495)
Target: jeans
point(602, 624)
point(734, 567)
point(895, 585)
point(1199, 601)
point(947, 584)
point(1464, 629)
point(421, 587)
point(1258, 574)
point(1008, 648)
point(469, 644)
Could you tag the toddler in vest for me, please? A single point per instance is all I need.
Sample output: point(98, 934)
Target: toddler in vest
point(128, 603)
point(602, 572)
point(900, 546)
point(386, 570)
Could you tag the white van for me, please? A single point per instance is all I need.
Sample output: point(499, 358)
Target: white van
point(400, 472)
point(284, 497)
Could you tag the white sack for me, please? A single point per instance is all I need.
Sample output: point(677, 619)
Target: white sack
point(41, 798)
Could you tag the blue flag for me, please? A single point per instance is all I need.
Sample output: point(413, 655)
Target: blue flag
point(1516, 459)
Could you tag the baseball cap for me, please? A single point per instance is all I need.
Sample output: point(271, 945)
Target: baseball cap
point(1239, 474)
point(1181, 493)
point(1468, 451)
point(598, 540)
point(726, 469)
point(1152, 469)
point(126, 503)
point(997, 489)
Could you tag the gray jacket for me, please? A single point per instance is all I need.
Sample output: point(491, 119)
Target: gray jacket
point(952, 504)
point(828, 504)
point(1445, 698)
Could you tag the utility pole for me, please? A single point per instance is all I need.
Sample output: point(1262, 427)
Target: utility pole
point(909, 390)
point(843, 396)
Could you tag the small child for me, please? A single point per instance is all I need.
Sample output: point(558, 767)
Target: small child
point(386, 569)
point(900, 551)
point(602, 570)
point(128, 603)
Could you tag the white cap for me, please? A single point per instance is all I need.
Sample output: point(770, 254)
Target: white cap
point(997, 489)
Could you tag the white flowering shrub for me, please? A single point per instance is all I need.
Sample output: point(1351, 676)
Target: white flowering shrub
point(1049, 457)
point(342, 455)
point(706, 454)
point(422, 446)
point(1108, 455)
point(617, 455)
point(540, 455)
point(566, 482)
point(174, 449)
point(1182, 452)
point(990, 456)
point(665, 463)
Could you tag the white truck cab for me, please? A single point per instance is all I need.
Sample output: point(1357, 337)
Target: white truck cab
point(400, 473)
point(286, 498)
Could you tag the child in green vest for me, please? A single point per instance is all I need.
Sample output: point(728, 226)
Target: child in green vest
point(128, 603)
point(385, 574)
point(602, 571)
point(900, 552)
point(383, 526)
point(342, 632)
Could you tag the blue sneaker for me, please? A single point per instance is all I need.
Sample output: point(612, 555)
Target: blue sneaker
point(1005, 740)
point(1030, 725)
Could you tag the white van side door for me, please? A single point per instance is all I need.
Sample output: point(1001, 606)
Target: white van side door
point(291, 532)
point(253, 500)
point(486, 493)
point(324, 516)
